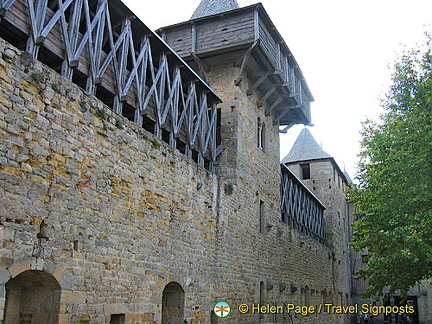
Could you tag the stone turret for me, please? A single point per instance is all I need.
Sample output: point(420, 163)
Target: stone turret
point(319, 171)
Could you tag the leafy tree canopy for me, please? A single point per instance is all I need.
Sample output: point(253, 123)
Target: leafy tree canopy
point(394, 197)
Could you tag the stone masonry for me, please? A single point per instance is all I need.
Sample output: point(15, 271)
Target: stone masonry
point(105, 216)
point(110, 212)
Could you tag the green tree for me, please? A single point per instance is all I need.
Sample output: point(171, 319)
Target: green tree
point(394, 196)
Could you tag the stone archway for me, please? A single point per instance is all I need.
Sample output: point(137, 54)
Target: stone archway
point(173, 298)
point(33, 296)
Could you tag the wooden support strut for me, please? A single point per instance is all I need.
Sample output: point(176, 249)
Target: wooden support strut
point(285, 130)
point(269, 111)
point(269, 92)
point(283, 113)
point(203, 68)
point(243, 61)
point(262, 78)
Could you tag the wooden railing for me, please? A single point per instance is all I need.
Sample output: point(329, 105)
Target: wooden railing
point(101, 46)
point(300, 208)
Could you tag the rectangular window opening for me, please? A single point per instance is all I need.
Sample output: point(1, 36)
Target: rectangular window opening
point(117, 319)
point(261, 217)
point(305, 171)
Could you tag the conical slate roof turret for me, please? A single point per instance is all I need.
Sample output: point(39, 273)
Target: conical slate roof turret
point(347, 176)
point(305, 148)
point(213, 7)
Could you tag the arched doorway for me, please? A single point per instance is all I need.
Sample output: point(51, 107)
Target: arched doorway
point(173, 304)
point(32, 297)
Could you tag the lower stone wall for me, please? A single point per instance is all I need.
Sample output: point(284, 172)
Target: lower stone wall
point(89, 195)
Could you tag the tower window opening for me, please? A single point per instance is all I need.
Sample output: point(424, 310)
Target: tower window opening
point(305, 171)
point(260, 133)
point(261, 217)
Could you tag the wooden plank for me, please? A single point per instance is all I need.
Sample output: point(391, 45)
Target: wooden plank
point(224, 32)
point(5, 5)
point(193, 38)
point(18, 16)
point(181, 40)
point(256, 24)
point(268, 44)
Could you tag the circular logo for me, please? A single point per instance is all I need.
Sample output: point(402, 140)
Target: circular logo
point(222, 309)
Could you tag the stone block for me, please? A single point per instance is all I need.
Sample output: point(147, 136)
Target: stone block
point(116, 308)
point(49, 267)
point(4, 276)
point(64, 319)
point(2, 308)
point(37, 264)
point(20, 266)
point(72, 297)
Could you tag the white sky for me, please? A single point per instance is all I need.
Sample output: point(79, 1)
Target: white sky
point(343, 47)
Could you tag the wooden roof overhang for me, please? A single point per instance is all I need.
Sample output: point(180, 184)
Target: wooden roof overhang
point(103, 47)
point(247, 38)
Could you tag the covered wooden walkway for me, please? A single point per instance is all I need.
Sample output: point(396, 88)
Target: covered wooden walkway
point(101, 46)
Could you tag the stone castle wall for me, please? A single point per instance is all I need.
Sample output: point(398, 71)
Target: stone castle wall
point(328, 185)
point(114, 215)
point(265, 250)
point(120, 213)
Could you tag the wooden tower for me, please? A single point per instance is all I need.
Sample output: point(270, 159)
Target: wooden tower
point(218, 33)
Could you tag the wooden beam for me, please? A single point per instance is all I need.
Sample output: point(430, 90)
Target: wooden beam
point(269, 111)
point(251, 90)
point(37, 13)
point(243, 61)
point(269, 92)
point(194, 38)
point(274, 72)
point(6, 5)
point(262, 77)
point(285, 130)
point(286, 111)
point(203, 68)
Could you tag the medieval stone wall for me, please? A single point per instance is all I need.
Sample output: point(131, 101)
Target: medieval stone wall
point(328, 185)
point(105, 216)
point(292, 267)
point(119, 213)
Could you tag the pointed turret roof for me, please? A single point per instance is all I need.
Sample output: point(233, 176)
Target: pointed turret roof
point(305, 148)
point(347, 176)
point(213, 7)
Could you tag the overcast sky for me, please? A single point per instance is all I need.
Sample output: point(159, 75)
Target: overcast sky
point(344, 49)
